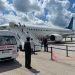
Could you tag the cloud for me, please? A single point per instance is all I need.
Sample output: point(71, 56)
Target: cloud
point(26, 5)
point(2, 6)
point(9, 18)
point(58, 12)
point(2, 19)
point(26, 9)
point(30, 10)
point(9, 6)
point(73, 14)
point(73, 6)
point(35, 20)
point(6, 7)
point(22, 16)
point(74, 25)
point(34, 5)
point(12, 18)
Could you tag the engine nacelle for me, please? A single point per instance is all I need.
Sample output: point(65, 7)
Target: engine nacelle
point(56, 37)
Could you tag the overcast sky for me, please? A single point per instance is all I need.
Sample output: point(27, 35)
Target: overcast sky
point(53, 12)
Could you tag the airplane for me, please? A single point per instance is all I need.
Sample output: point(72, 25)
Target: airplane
point(55, 33)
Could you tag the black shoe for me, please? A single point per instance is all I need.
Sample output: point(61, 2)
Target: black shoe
point(26, 67)
point(29, 67)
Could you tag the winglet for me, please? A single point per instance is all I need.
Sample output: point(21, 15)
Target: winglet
point(70, 24)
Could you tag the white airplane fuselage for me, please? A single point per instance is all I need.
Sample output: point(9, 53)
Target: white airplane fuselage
point(42, 31)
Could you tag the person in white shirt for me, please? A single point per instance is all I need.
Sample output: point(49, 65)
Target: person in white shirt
point(32, 46)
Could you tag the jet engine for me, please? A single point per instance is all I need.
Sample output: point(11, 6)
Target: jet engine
point(56, 37)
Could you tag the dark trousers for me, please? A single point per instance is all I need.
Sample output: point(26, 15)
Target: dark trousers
point(27, 60)
point(46, 48)
point(33, 52)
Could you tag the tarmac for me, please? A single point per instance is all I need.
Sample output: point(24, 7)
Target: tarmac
point(42, 63)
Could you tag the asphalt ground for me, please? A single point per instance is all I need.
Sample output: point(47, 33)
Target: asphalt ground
point(42, 63)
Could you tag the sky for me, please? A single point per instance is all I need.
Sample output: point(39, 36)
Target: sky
point(44, 12)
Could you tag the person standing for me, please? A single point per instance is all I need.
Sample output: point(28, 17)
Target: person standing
point(45, 42)
point(27, 48)
point(32, 46)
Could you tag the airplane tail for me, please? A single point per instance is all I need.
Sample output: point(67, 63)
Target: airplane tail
point(70, 24)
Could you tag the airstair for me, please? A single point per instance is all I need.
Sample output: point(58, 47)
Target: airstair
point(21, 31)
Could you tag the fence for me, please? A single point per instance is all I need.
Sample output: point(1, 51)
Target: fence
point(66, 49)
point(71, 38)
